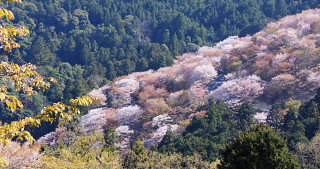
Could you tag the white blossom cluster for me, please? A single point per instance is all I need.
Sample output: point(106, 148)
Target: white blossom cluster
point(238, 74)
point(289, 36)
point(314, 79)
point(263, 48)
point(244, 43)
point(279, 58)
point(228, 44)
point(192, 59)
point(123, 130)
point(239, 90)
point(129, 114)
point(202, 74)
point(306, 27)
point(52, 137)
point(205, 49)
point(306, 44)
point(122, 95)
point(96, 119)
point(129, 85)
point(21, 156)
point(126, 134)
point(161, 120)
point(100, 93)
point(173, 97)
point(283, 79)
point(119, 98)
point(158, 136)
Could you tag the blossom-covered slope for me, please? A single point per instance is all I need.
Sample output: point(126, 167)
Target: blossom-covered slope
point(277, 64)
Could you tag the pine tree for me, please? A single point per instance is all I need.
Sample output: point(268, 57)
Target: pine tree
point(111, 73)
point(281, 8)
point(245, 116)
point(204, 135)
point(275, 116)
point(40, 54)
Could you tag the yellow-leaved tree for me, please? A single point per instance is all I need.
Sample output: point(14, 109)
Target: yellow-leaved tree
point(25, 78)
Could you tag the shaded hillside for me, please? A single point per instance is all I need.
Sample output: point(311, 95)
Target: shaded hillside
point(121, 37)
point(274, 65)
point(102, 40)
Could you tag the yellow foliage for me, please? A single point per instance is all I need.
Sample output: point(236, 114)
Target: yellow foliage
point(85, 101)
point(293, 105)
point(183, 125)
point(69, 161)
point(25, 78)
point(7, 35)
point(83, 152)
point(6, 13)
point(18, 1)
point(157, 160)
point(58, 110)
point(3, 163)
point(236, 65)
point(214, 165)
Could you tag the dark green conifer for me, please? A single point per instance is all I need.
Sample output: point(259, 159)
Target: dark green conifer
point(260, 147)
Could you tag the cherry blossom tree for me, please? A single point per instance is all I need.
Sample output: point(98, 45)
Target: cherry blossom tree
point(240, 90)
point(202, 74)
point(129, 114)
point(129, 85)
point(121, 92)
point(159, 134)
point(52, 137)
point(147, 78)
point(21, 155)
point(279, 86)
point(161, 120)
point(126, 134)
point(228, 44)
point(314, 79)
point(279, 58)
point(150, 92)
point(98, 119)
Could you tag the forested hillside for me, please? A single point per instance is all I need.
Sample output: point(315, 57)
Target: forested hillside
point(173, 110)
point(86, 43)
point(176, 93)
point(115, 38)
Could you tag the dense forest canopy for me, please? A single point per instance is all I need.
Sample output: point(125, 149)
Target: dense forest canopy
point(85, 44)
point(115, 38)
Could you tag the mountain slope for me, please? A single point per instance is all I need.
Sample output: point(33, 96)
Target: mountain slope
point(277, 64)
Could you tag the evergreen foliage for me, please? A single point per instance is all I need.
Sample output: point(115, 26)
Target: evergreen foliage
point(83, 44)
point(131, 34)
point(244, 116)
point(104, 40)
point(259, 147)
point(301, 123)
point(206, 136)
point(274, 118)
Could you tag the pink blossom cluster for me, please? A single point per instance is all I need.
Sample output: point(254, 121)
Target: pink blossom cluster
point(240, 90)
